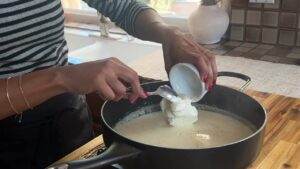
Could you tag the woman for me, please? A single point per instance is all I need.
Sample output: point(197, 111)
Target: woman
point(43, 113)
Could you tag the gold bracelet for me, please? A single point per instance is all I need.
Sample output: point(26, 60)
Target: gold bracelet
point(8, 98)
point(22, 92)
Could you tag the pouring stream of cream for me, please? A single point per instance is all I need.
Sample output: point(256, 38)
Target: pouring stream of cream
point(179, 111)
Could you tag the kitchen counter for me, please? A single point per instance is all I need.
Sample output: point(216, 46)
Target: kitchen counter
point(282, 79)
point(281, 147)
point(146, 59)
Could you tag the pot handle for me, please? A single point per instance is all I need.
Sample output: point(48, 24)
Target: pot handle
point(237, 75)
point(115, 153)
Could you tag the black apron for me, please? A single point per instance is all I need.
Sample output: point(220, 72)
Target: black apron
point(46, 133)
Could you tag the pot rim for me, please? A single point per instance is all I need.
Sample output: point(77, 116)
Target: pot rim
point(262, 127)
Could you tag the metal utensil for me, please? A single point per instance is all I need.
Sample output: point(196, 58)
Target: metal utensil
point(166, 92)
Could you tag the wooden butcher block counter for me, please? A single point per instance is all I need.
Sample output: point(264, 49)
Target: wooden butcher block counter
point(281, 147)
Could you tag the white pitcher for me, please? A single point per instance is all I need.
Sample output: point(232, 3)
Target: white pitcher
point(208, 23)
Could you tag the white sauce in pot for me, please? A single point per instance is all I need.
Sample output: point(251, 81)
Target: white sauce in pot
point(211, 130)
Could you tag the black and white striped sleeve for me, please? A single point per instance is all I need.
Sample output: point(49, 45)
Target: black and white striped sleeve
point(122, 12)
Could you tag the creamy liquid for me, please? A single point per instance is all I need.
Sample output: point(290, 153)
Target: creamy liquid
point(211, 130)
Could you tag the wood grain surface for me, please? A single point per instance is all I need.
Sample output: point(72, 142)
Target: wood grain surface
point(281, 147)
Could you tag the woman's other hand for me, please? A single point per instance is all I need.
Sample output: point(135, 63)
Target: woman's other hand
point(107, 77)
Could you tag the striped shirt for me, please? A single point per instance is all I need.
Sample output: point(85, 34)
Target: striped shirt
point(32, 31)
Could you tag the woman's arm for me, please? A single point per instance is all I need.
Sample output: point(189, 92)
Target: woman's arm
point(121, 12)
point(143, 22)
point(37, 86)
point(104, 76)
point(177, 46)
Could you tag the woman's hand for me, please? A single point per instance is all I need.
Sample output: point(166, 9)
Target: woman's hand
point(178, 47)
point(107, 77)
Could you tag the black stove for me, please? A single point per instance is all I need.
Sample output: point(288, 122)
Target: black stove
point(116, 166)
point(128, 164)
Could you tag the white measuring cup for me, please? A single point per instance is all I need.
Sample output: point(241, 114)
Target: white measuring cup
point(186, 81)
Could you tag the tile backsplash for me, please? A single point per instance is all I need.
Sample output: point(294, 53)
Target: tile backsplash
point(277, 23)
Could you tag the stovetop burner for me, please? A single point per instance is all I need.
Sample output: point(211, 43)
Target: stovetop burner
point(114, 166)
point(130, 164)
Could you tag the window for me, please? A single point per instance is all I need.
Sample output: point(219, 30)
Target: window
point(169, 8)
point(174, 12)
point(181, 8)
